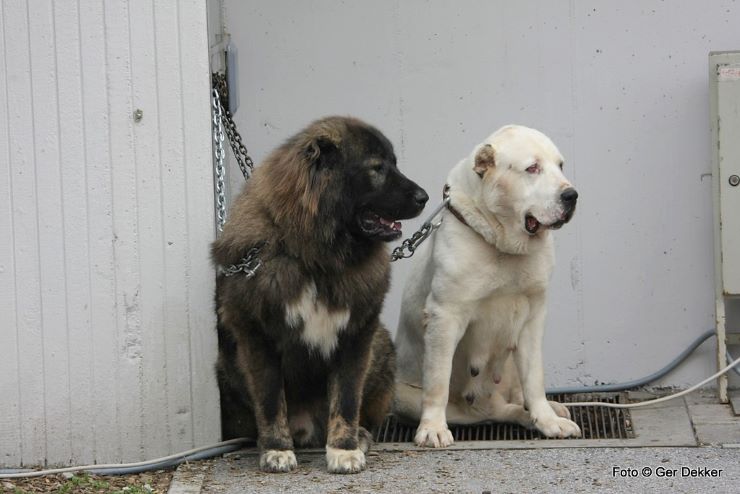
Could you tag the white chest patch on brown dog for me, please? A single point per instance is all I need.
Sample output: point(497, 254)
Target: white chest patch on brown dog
point(321, 325)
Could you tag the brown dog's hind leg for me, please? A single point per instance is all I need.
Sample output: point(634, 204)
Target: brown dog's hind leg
point(377, 396)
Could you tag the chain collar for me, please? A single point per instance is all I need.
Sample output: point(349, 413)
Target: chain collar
point(249, 264)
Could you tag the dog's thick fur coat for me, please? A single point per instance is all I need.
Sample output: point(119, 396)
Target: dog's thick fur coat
point(303, 357)
point(469, 340)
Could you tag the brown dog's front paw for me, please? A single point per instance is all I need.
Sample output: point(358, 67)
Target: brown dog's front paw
point(344, 460)
point(276, 461)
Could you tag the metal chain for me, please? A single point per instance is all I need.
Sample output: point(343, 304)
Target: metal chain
point(246, 165)
point(414, 241)
point(223, 125)
point(249, 264)
point(219, 155)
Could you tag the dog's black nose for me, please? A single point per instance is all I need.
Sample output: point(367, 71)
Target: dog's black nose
point(421, 197)
point(569, 195)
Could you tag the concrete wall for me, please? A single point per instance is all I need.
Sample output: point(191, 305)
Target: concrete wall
point(621, 87)
point(107, 337)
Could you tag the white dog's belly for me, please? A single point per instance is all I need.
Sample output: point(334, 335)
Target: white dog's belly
point(481, 357)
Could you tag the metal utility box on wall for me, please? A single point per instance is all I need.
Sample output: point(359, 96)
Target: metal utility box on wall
point(724, 81)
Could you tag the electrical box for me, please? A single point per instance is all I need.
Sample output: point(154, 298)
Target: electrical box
point(726, 118)
point(724, 109)
point(725, 93)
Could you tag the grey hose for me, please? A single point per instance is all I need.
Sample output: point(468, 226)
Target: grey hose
point(607, 388)
point(144, 466)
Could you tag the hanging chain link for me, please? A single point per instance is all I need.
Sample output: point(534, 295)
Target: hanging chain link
point(414, 241)
point(220, 156)
point(246, 165)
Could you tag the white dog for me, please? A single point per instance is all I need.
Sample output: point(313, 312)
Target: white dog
point(469, 340)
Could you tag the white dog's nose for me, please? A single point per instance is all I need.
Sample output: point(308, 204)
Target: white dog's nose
point(569, 196)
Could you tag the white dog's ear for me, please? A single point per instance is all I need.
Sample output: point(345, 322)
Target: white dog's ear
point(485, 158)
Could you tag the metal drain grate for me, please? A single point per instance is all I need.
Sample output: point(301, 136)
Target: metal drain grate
point(595, 423)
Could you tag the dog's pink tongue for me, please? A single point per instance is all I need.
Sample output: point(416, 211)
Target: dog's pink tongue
point(394, 225)
point(531, 222)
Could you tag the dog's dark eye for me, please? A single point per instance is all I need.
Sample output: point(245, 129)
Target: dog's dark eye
point(533, 168)
point(561, 165)
point(377, 168)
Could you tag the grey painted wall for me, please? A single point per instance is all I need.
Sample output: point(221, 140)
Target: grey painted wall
point(621, 87)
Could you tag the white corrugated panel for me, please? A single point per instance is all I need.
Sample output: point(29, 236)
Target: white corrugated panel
point(107, 339)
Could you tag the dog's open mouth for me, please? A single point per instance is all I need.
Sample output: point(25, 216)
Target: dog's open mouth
point(374, 225)
point(533, 225)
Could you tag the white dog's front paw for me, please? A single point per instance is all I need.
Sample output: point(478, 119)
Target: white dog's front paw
point(433, 435)
point(275, 460)
point(554, 426)
point(344, 460)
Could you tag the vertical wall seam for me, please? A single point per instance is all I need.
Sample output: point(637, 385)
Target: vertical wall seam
point(38, 231)
point(91, 360)
point(165, 325)
point(188, 260)
point(63, 225)
point(13, 239)
point(113, 229)
point(132, 142)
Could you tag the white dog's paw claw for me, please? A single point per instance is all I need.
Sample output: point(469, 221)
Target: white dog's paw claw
point(558, 427)
point(433, 437)
point(560, 409)
point(275, 461)
point(344, 460)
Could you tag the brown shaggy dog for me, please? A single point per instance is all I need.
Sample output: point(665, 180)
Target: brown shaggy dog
point(303, 357)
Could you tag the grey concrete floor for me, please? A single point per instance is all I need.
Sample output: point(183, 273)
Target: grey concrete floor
point(552, 470)
point(638, 469)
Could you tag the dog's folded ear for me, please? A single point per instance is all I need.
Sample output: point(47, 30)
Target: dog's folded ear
point(321, 150)
point(485, 158)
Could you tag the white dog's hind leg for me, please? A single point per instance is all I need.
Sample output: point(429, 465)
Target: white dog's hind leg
point(503, 411)
point(444, 330)
point(492, 408)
